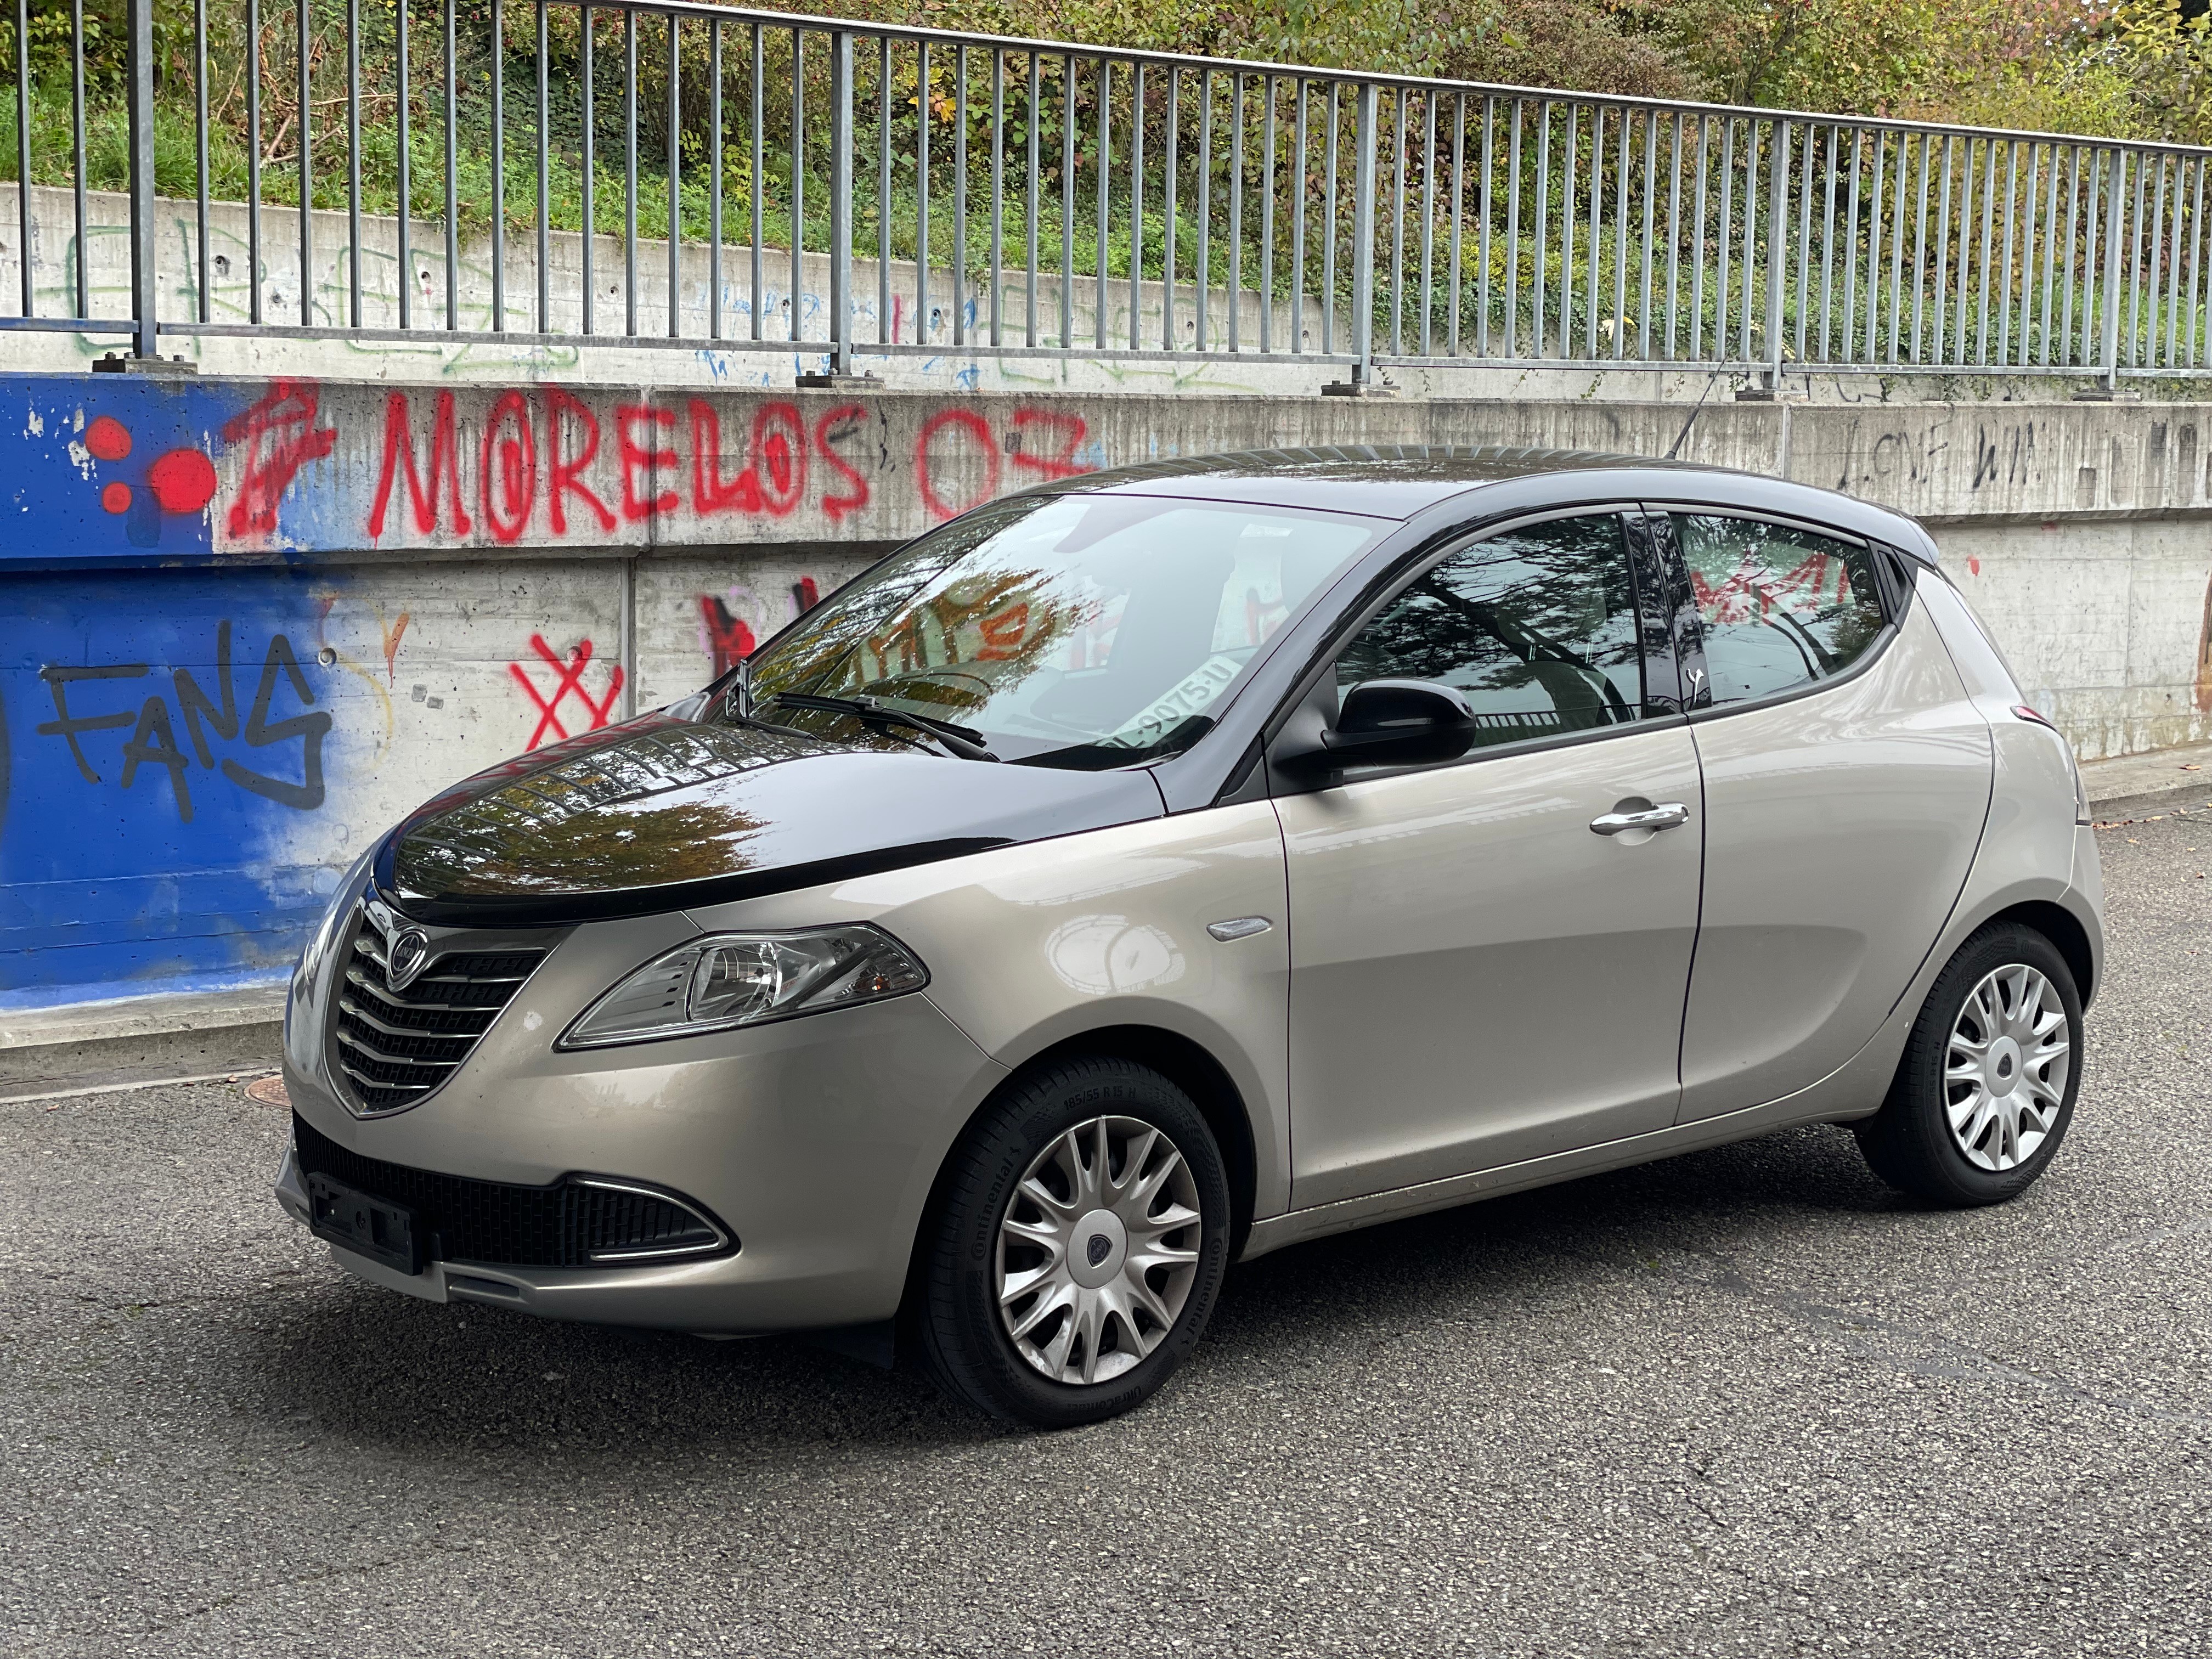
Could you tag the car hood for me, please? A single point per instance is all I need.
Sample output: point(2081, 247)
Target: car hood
point(663, 812)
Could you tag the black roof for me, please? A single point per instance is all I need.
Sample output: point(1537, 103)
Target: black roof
point(1396, 481)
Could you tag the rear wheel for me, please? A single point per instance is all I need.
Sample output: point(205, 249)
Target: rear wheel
point(1080, 1247)
point(1986, 1088)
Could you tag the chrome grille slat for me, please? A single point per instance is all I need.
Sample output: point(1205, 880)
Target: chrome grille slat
point(442, 1013)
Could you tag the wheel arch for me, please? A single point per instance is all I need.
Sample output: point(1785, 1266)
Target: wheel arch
point(2064, 931)
point(1183, 1061)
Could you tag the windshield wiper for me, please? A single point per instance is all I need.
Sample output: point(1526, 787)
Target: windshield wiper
point(959, 741)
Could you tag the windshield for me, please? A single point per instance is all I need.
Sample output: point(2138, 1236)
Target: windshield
point(1072, 630)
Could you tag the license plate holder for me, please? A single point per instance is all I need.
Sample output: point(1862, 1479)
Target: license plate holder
point(368, 1226)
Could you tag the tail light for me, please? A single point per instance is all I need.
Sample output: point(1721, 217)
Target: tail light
point(2025, 713)
point(2021, 711)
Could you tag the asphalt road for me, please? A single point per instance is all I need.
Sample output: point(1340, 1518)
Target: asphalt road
point(1745, 1402)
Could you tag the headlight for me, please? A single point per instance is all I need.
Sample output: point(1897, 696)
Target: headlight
point(748, 979)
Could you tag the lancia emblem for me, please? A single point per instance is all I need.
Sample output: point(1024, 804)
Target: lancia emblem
point(410, 951)
point(1098, 1248)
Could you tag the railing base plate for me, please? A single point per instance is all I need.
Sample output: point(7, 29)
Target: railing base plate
point(1359, 389)
point(168, 368)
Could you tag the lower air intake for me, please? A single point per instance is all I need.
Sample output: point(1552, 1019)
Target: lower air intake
point(583, 1221)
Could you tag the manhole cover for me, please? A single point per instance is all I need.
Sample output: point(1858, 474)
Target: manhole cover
point(269, 1091)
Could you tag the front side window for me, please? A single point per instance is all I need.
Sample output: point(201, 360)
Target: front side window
point(1537, 627)
point(1072, 630)
point(1778, 608)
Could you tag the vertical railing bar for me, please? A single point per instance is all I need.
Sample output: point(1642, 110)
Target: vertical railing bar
point(1543, 234)
point(1850, 331)
point(1596, 227)
point(498, 167)
point(1398, 222)
point(1570, 165)
point(960, 196)
point(714, 175)
point(1920, 250)
point(1267, 220)
point(253, 164)
point(1236, 210)
point(1874, 250)
point(1105, 202)
point(925, 115)
point(1330, 218)
point(1828, 242)
point(1204, 200)
point(1722, 238)
point(589, 98)
point(1512, 236)
point(1458, 208)
point(1778, 134)
point(1428, 219)
point(2116, 169)
point(1030, 198)
point(2173, 254)
point(796, 297)
point(2135, 279)
point(200, 159)
point(1482, 229)
point(25, 273)
point(1620, 238)
point(2031, 224)
point(1170, 166)
point(885, 333)
point(1940, 279)
point(1136, 207)
point(759, 99)
point(2066, 348)
point(544, 159)
point(1989, 226)
point(1643, 278)
point(2195, 248)
point(76, 158)
point(1297, 317)
point(675, 171)
point(629, 172)
point(1674, 230)
point(843, 139)
point(1068, 201)
point(2051, 255)
point(2009, 247)
point(1363, 191)
point(453, 180)
point(1697, 244)
point(1749, 248)
point(1897, 247)
point(997, 196)
point(1804, 238)
point(1961, 355)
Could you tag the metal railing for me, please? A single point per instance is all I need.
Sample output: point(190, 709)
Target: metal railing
point(1041, 198)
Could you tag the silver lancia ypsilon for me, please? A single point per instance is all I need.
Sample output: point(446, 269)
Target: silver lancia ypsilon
point(1159, 867)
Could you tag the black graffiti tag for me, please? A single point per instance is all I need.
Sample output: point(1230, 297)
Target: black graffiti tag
point(153, 740)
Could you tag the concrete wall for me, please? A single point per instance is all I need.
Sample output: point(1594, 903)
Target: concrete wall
point(246, 624)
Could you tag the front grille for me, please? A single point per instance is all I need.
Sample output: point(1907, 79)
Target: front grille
point(395, 1046)
point(580, 1222)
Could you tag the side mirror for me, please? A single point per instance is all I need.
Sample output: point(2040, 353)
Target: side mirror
point(1391, 723)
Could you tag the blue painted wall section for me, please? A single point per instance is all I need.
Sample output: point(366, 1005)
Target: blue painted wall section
point(168, 749)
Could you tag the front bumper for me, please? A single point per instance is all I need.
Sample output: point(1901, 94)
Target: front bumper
point(815, 1140)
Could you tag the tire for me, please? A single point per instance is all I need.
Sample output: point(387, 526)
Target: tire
point(1911, 1143)
point(1041, 1140)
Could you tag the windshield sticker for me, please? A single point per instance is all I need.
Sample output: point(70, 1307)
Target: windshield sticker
point(1188, 698)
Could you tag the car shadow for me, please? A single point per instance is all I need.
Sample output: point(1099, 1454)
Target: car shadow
point(420, 1381)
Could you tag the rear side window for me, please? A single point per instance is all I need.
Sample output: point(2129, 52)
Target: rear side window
point(1779, 608)
point(1536, 628)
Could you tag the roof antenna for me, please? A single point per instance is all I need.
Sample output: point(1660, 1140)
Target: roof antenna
point(1675, 448)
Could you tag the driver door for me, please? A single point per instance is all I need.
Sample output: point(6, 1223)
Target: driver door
point(1479, 973)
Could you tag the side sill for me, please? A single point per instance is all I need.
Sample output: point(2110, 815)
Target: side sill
point(1815, 1104)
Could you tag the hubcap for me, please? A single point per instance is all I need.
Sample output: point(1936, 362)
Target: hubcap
point(1097, 1251)
point(2005, 1070)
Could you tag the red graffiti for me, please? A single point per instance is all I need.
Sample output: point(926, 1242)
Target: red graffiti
point(509, 468)
point(108, 438)
point(979, 431)
point(399, 451)
point(569, 678)
point(729, 641)
point(1756, 590)
point(1002, 634)
point(640, 457)
point(562, 479)
point(780, 447)
point(841, 422)
point(280, 437)
point(1058, 463)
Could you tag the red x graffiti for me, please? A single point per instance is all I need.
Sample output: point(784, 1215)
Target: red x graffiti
point(567, 676)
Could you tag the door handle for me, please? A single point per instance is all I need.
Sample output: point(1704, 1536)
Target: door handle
point(1668, 815)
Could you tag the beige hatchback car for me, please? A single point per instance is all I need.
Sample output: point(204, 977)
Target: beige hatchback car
point(1152, 870)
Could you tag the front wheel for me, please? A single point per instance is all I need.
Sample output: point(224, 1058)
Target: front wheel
point(1986, 1088)
point(1079, 1246)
